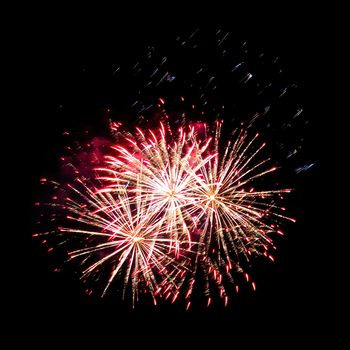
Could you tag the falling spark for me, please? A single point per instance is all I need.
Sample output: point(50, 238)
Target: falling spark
point(168, 204)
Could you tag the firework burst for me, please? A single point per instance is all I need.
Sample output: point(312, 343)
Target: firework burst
point(121, 235)
point(160, 171)
point(166, 208)
point(233, 221)
point(169, 204)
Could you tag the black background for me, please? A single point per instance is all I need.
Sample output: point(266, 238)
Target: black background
point(290, 304)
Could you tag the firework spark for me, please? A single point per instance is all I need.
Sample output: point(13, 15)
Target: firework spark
point(187, 189)
point(122, 236)
point(234, 221)
point(160, 173)
point(170, 202)
point(165, 206)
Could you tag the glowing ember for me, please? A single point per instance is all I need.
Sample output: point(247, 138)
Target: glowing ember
point(171, 202)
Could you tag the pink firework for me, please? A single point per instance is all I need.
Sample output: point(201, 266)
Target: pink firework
point(169, 203)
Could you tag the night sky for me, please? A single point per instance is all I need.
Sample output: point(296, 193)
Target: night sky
point(69, 84)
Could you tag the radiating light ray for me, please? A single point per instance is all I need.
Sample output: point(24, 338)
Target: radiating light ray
point(181, 204)
point(234, 220)
point(198, 188)
point(125, 237)
point(163, 172)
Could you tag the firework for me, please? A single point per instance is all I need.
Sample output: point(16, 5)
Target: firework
point(234, 221)
point(171, 203)
point(160, 171)
point(123, 237)
point(202, 191)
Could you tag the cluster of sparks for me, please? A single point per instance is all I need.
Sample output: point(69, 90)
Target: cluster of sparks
point(171, 204)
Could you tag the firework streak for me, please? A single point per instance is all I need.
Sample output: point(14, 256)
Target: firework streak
point(169, 205)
